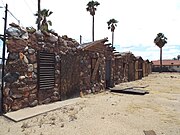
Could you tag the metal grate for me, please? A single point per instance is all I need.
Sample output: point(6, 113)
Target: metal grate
point(46, 70)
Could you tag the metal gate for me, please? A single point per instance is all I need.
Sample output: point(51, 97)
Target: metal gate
point(46, 73)
point(70, 75)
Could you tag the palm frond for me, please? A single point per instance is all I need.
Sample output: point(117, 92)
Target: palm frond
point(49, 22)
point(50, 13)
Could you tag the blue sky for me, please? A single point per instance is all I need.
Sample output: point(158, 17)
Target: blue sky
point(139, 22)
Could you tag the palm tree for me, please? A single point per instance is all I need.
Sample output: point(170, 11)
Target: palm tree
point(42, 19)
point(178, 57)
point(160, 41)
point(91, 7)
point(112, 23)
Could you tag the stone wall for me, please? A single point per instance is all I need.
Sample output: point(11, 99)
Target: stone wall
point(124, 67)
point(87, 66)
point(21, 86)
point(74, 68)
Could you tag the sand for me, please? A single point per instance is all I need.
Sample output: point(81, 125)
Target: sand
point(110, 113)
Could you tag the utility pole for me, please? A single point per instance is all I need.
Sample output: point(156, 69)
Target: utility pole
point(39, 10)
point(80, 39)
point(3, 59)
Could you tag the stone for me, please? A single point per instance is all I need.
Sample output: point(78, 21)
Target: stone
point(56, 89)
point(34, 103)
point(56, 85)
point(9, 100)
point(35, 70)
point(32, 58)
point(81, 73)
point(26, 94)
point(23, 89)
point(15, 45)
point(11, 77)
point(35, 65)
point(30, 30)
point(34, 91)
point(21, 78)
point(52, 39)
point(16, 96)
point(32, 97)
point(30, 67)
point(31, 51)
point(25, 102)
point(16, 105)
point(46, 101)
point(14, 25)
point(13, 56)
point(6, 91)
point(14, 32)
point(29, 74)
point(57, 57)
point(5, 108)
point(25, 59)
point(56, 94)
point(32, 87)
point(54, 98)
point(25, 36)
point(39, 35)
point(57, 72)
point(26, 48)
point(34, 76)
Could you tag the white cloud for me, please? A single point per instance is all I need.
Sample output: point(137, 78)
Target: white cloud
point(139, 21)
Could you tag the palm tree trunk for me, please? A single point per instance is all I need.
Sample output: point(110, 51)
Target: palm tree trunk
point(93, 28)
point(160, 59)
point(112, 39)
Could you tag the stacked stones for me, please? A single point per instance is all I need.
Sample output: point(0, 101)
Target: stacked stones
point(87, 85)
point(21, 67)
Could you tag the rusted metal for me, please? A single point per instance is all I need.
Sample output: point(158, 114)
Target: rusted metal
point(46, 70)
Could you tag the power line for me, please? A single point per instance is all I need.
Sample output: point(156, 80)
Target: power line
point(11, 13)
point(14, 17)
point(33, 3)
point(28, 7)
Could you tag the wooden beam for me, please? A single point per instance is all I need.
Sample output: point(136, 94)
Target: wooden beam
point(95, 69)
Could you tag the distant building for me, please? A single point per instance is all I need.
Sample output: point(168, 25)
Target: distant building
point(167, 66)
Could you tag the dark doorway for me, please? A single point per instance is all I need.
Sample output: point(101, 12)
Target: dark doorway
point(108, 73)
point(69, 76)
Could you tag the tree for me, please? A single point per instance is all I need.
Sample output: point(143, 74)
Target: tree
point(160, 41)
point(91, 7)
point(178, 57)
point(112, 23)
point(42, 19)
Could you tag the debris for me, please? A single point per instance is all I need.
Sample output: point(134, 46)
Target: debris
point(149, 132)
point(131, 91)
point(173, 77)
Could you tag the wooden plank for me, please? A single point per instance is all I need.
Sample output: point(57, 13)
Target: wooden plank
point(95, 69)
point(130, 91)
point(149, 132)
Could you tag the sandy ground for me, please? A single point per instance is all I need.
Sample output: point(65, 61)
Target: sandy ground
point(109, 113)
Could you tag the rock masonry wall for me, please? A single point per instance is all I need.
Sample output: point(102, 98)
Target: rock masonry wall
point(21, 88)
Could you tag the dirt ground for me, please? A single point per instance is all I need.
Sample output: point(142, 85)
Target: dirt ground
point(110, 113)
